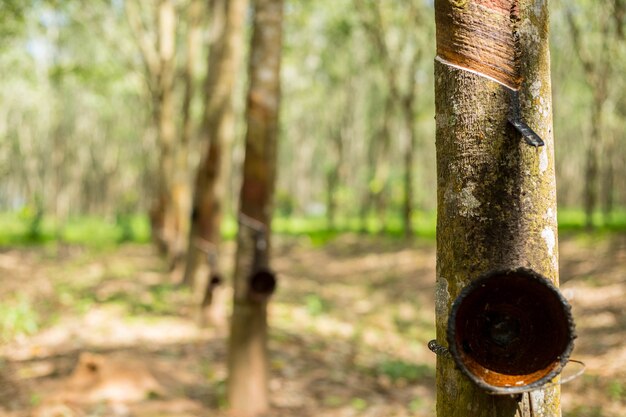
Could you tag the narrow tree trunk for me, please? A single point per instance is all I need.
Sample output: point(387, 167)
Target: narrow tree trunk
point(496, 194)
point(608, 183)
point(217, 131)
point(247, 362)
point(333, 178)
point(194, 40)
point(181, 189)
point(409, 154)
point(164, 219)
point(592, 164)
point(367, 199)
point(381, 176)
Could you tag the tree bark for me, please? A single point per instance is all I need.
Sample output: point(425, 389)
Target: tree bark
point(217, 131)
point(158, 46)
point(181, 190)
point(335, 175)
point(166, 228)
point(380, 183)
point(409, 157)
point(496, 195)
point(592, 164)
point(608, 186)
point(247, 363)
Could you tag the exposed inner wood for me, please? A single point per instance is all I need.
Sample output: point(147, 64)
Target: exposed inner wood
point(481, 36)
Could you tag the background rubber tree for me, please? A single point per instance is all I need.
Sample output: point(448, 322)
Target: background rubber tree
point(181, 181)
point(400, 61)
point(247, 362)
point(496, 194)
point(216, 134)
point(154, 30)
point(597, 51)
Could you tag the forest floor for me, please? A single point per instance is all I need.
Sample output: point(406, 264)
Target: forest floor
point(105, 333)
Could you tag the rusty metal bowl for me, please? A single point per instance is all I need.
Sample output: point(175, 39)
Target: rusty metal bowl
point(511, 331)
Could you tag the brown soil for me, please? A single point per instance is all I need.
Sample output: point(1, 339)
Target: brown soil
point(350, 323)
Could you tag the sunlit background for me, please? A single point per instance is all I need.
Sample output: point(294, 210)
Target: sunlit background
point(78, 166)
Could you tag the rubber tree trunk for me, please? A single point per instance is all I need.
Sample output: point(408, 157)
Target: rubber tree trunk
point(409, 158)
point(247, 363)
point(334, 176)
point(217, 131)
point(181, 189)
point(379, 187)
point(164, 217)
point(496, 195)
point(592, 164)
point(608, 180)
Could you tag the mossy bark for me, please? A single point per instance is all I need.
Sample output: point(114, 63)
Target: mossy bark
point(247, 362)
point(496, 195)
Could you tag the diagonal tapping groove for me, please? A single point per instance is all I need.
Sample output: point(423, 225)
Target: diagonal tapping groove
point(481, 37)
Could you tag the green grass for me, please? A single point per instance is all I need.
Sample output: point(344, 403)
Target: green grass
point(26, 228)
point(573, 220)
point(319, 232)
point(398, 369)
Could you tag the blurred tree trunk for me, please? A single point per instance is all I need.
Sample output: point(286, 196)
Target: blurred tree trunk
point(597, 74)
point(592, 162)
point(181, 191)
point(408, 112)
point(402, 95)
point(247, 362)
point(333, 177)
point(378, 172)
point(496, 195)
point(336, 171)
point(166, 228)
point(381, 177)
point(218, 128)
point(608, 186)
point(158, 49)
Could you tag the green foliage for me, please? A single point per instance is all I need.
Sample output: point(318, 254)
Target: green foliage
point(18, 317)
point(92, 231)
point(35, 399)
point(585, 411)
point(359, 404)
point(11, 18)
point(333, 400)
point(284, 203)
point(400, 370)
point(33, 220)
point(156, 301)
point(617, 390)
point(315, 305)
point(220, 394)
point(416, 404)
